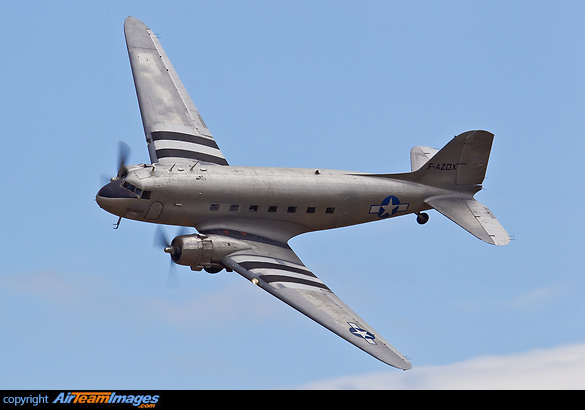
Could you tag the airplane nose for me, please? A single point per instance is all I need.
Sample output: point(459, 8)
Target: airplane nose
point(109, 195)
point(115, 190)
point(103, 197)
point(106, 192)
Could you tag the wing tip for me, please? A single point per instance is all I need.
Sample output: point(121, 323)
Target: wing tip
point(132, 24)
point(132, 20)
point(405, 365)
point(500, 240)
point(398, 361)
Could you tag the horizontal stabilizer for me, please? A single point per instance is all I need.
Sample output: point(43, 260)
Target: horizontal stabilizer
point(472, 216)
point(420, 156)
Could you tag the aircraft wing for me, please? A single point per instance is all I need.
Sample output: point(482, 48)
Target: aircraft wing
point(274, 267)
point(175, 132)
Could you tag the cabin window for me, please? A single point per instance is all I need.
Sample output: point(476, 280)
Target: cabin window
point(214, 207)
point(311, 210)
point(291, 209)
point(253, 208)
point(330, 210)
point(272, 208)
point(234, 208)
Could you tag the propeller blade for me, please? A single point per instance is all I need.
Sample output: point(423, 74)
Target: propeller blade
point(162, 241)
point(160, 238)
point(105, 179)
point(123, 154)
point(173, 277)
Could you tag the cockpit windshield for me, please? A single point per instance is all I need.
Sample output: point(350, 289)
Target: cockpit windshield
point(141, 194)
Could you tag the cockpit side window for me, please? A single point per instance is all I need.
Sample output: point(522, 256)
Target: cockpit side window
point(129, 186)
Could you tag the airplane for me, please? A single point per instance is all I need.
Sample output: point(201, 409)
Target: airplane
point(244, 216)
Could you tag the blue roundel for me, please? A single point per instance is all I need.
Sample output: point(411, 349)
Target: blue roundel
point(359, 332)
point(390, 206)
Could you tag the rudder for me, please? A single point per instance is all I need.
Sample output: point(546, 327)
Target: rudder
point(463, 161)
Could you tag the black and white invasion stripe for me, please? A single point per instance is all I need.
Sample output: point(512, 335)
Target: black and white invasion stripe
point(272, 273)
point(180, 145)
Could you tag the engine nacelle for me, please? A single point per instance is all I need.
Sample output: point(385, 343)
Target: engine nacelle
point(203, 251)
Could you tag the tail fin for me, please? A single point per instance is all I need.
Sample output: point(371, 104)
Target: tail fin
point(462, 162)
point(420, 156)
point(459, 167)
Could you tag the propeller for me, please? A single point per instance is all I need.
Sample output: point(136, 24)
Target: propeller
point(162, 241)
point(124, 151)
point(173, 278)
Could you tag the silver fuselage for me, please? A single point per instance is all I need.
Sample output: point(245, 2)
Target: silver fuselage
point(253, 198)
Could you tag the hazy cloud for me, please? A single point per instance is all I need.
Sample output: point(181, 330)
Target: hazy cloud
point(531, 299)
point(537, 297)
point(99, 297)
point(561, 367)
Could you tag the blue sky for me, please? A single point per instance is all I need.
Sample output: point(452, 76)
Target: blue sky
point(328, 84)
